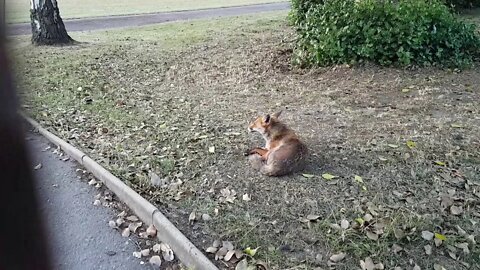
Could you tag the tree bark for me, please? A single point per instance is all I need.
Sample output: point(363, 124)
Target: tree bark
point(47, 25)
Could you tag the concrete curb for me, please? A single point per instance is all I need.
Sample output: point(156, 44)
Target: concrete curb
point(188, 254)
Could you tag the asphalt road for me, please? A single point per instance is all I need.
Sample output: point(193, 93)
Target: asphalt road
point(110, 22)
point(77, 231)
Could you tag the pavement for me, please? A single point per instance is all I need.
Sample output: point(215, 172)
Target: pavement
point(111, 22)
point(77, 231)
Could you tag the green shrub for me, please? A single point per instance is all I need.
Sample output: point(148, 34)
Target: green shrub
point(387, 32)
point(300, 8)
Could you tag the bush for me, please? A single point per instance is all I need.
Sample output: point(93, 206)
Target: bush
point(386, 32)
point(300, 8)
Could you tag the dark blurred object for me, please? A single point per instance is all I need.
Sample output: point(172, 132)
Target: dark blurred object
point(22, 242)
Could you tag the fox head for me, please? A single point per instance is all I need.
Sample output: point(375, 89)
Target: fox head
point(263, 123)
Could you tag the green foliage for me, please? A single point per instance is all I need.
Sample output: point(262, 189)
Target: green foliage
point(300, 9)
point(387, 32)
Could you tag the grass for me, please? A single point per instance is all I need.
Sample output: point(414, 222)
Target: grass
point(158, 98)
point(19, 11)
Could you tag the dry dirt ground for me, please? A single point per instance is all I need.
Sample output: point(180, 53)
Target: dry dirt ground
point(403, 145)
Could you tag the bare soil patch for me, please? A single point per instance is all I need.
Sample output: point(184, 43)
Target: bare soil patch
point(410, 136)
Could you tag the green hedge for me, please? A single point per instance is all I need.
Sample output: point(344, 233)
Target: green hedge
point(387, 32)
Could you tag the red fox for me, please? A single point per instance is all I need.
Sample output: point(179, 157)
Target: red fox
point(284, 153)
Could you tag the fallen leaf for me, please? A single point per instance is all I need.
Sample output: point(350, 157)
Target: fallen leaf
point(428, 249)
point(228, 245)
point(360, 221)
point(137, 254)
point(38, 166)
point(126, 232)
point(464, 247)
point(92, 182)
point(313, 217)
point(155, 180)
point(437, 242)
point(399, 233)
point(328, 176)
point(440, 163)
point(112, 224)
point(372, 236)
point(192, 217)
point(440, 237)
point(216, 243)
point(242, 265)
point(206, 217)
point(167, 252)
point(246, 197)
point(250, 252)
point(238, 254)
point(411, 144)
point(155, 261)
point(229, 255)
point(359, 179)
point(427, 235)
point(151, 231)
point(145, 252)
point(344, 224)
point(306, 175)
point(456, 210)
point(367, 264)
point(132, 218)
point(156, 248)
point(337, 257)
point(212, 250)
point(396, 248)
point(452, 255)
point(134, 226)
point(382, 158)
point(119, 221)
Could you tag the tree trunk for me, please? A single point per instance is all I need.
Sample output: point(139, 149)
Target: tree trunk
point(47, 25)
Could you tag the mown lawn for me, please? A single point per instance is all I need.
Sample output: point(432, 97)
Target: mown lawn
point(175, 99)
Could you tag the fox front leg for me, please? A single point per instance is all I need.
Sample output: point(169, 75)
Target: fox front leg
point(259, 151)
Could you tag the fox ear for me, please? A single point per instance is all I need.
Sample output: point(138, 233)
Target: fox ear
point(277, 114)
point(267, 119)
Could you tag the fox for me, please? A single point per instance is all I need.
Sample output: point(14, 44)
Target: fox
point(284, 153)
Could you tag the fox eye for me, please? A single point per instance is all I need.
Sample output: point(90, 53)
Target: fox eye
point(267, 118)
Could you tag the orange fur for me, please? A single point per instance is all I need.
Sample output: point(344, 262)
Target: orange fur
point(283, 153)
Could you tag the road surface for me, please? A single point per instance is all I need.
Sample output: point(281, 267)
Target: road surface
point(110, 22)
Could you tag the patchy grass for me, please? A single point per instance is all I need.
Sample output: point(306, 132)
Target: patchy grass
point(148, 99)
point(19, 11)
